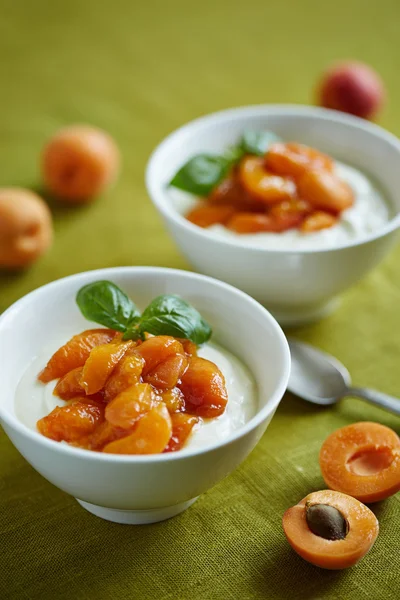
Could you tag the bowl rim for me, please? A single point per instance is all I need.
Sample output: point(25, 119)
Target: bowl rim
point(261, 415)
point(158, 197)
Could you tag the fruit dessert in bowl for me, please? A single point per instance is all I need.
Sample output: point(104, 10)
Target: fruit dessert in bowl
point(290, 204)
point(137, 389)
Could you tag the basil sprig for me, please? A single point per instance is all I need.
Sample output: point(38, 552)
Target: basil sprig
point(103, 302)
point(205, 171)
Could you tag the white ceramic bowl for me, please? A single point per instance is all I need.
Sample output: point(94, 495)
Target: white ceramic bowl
point(295, 285)
point(140, 489)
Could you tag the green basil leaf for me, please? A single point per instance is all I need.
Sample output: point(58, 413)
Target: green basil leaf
point(171, 315)
point(201, 174)
point(234, 154)
point(103, 302)
point(258, 142)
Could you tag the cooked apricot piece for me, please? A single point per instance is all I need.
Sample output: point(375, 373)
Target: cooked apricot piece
point(173, 399)
point(99, 365)
point(325, 191)
point(79, 162)
point(330, 529)
point(182, 426)
point(167, 374)
point(230, 192)
point(189, 347)
point(208, 214)
point(157, 349)
point(71, 422)
point(126, 373)
point(318, 220)
point(150, 436)
point(130, 405)
point(74, 353)
point(246, 222)
point(102, 435)
point(262, 184)
point(289, 214)
point(26, 228)
point(362, 460)
point(204, 389)
point(293, 160)
point(69, 386)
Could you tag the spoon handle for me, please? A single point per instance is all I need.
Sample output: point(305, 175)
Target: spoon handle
point(378, 398)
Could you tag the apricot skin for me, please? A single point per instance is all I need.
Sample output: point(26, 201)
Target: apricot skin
point(79, 162)
point(26, 228)
point(352, 87)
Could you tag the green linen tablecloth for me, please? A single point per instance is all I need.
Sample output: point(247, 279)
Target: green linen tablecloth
point(140, 70)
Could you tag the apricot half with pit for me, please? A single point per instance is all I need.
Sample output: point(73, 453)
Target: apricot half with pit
point(330, 529)
point(26, 229)
point(79, 163)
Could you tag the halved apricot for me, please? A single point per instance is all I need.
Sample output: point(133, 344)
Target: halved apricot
point(74, 353)
point(204, 389)
point(318, 220)
point(105, 433)
point(130, 405)
point(330, 529)
point(173, 399)
point(99, 365)
point(157, 349)
point(69, 386)
point(262, 184)
point(167, 374)
point(71, 422)
point(289, 214)
point(208, 214)
point(325, 191)
point(182, 426)
point(189, 347)
point(363, 460)
point(126, 373)
point(150, 436)
point(293, 160)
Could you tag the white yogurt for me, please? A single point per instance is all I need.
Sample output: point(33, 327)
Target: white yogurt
point(33, 400)
point(369, 213)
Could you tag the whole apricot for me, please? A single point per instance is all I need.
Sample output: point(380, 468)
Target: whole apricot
point(352, 87)
point(79, 162)
point(26, 228)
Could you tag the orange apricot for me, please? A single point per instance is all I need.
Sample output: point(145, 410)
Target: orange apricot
point(362, 460)
point(99, 365)
point(182, 426)
point(105, 433)
point(157, 349)
point(173, 399)
point(79, 162)
point(74, 353)
point(71, 422)
point(150, 436)
point(247, 222)
point(289, 214)
point(293, 160)
point(167, 374)
point(203, 386)
point(325, 191)
point(262, 184)
point(69, 386)
point(26, 228)
point(126, 373)
point(189, 347)
point(330, 529)
point(208, 214)
point(126, 408)
point(318, 220)
point(232, 193)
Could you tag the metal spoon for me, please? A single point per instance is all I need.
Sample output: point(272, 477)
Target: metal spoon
point(321, 379)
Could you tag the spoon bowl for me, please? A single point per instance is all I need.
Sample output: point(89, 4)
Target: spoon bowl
point(321, 379)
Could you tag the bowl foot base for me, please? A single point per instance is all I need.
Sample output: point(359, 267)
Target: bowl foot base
point(292, 317)
point(136, 517)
